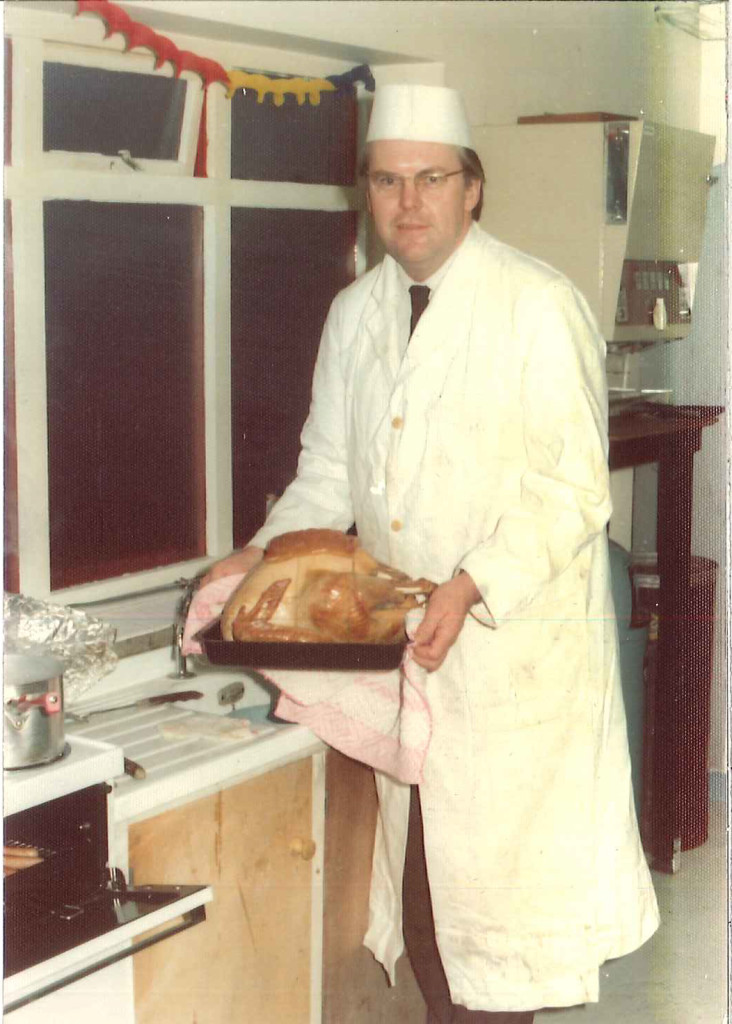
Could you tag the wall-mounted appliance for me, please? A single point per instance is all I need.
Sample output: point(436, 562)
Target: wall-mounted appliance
point(616, 204)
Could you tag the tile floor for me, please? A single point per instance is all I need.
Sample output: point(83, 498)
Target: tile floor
point(681, 976)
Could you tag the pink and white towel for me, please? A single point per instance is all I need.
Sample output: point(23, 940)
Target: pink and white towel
point(380, 718)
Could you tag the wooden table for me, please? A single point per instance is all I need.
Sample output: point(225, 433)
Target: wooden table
point(669, 436)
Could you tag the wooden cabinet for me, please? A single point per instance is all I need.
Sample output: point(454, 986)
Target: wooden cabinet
point(251, 959)
point(355, 987)
point(283, 939)
point(670, 436)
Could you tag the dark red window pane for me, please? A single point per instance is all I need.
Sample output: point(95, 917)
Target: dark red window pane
point(124, 364)
point(302, 143)
point(286, 267)
point(90, 110)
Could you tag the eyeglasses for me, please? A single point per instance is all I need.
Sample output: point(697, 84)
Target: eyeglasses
point(425, 181)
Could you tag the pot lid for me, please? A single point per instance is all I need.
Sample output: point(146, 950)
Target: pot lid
point(21, 669)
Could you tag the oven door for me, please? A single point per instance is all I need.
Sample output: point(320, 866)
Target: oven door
point(72, 914)
point(92, 933)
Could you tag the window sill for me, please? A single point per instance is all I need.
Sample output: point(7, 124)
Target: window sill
point(143, 623)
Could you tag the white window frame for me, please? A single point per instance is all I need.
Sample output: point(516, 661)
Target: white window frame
point(35, 178)
point(136, 63)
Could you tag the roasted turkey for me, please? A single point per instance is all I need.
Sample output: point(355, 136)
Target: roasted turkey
point(321, 586)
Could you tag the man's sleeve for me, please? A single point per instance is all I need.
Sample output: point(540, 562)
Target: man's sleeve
point(564, 499)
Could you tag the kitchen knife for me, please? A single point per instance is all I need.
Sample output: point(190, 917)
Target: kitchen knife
point(162, 698)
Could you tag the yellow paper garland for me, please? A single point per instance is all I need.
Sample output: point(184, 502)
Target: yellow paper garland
point(303, 88)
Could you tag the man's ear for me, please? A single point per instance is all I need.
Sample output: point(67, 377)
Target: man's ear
point(472, 194)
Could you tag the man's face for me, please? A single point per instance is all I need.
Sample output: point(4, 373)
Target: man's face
point(420, 229)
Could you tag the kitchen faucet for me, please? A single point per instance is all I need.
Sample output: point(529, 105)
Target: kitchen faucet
point(181, 670)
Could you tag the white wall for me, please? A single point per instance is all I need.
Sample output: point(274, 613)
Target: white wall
point(508, 57)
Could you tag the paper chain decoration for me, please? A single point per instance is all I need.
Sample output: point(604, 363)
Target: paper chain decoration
point(279, 87)
point(136, 34)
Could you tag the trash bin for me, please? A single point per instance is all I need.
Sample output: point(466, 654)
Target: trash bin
point(633, 637)
point(692, 749)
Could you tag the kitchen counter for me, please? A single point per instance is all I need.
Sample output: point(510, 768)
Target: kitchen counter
point(186, 761)
point(179, 770)
point(84, 762)
point(176, 744)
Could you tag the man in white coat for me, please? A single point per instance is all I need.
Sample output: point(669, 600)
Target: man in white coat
point(474, 452)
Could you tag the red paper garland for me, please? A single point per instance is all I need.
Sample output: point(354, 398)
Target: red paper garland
point(137, 34)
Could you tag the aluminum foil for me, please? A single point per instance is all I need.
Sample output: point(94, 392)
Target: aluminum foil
point(83, 643)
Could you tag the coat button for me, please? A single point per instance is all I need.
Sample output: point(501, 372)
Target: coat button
point(397, 422)
point(396, 525)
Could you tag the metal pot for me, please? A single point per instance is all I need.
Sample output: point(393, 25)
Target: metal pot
point(33, 719)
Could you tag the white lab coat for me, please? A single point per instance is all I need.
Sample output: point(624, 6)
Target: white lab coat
point(485, 448)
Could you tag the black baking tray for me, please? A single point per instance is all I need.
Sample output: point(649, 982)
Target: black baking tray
point(262, 654)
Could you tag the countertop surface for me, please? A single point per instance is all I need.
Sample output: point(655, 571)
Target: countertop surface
point(83, 763)
point(192, 748)
point(185, 749)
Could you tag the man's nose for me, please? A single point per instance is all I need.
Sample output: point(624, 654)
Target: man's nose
point(409, 195)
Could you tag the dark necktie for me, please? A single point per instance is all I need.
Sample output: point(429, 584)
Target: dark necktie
point(420, 296)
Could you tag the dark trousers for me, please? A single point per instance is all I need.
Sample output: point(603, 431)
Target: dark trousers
point(419, 938)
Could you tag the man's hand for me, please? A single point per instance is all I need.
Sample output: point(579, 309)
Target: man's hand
point(443, 620)
point(239, 561)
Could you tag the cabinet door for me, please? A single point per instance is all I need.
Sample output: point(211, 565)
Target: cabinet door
point(250, 961)
point(355, 987)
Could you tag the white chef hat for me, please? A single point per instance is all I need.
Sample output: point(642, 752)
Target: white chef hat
point(419, 113)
